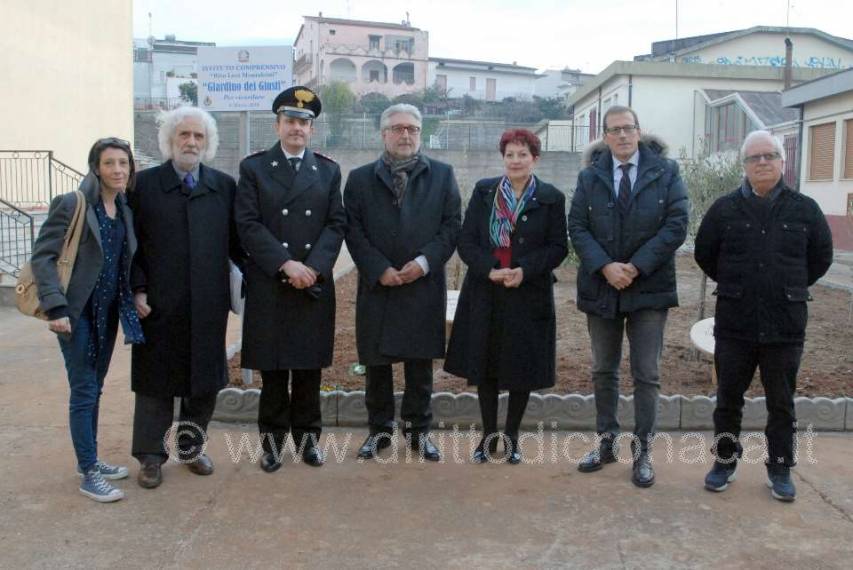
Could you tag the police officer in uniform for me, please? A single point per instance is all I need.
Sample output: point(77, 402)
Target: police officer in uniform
point(291, 221)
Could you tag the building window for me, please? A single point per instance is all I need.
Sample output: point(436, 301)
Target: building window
point(491, 89)
point(472, 84)
point(331, 32)
point(821, 151)
point(606, 105)
point(374, 41)
point(791, 150)
point(441, 83)
point(725, 128)
point(848, 148)
point(593, 125)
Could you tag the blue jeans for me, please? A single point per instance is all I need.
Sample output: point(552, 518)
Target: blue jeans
point(86, 380)
point(645, 339)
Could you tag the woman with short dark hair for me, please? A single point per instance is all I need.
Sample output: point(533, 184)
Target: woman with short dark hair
point(504, 331)
point(98, 297)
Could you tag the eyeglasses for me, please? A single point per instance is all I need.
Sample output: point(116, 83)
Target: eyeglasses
point(627, 129)
point(767, 156)
point(411, 129)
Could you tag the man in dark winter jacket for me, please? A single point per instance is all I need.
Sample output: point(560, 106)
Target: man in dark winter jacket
point(764, 245)
point(628, 217)
point(404, 218)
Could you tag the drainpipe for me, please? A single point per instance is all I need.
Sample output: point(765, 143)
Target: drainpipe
point(799, 158)
point(789, 53)
point(630, 89)
point(598, 115)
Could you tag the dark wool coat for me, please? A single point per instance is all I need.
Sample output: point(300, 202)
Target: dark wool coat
point(647, 235)
point(763, 270)
point(526, 345)
point(405, 322)
point(281, 215)
point(90, 257)
point(185, 240)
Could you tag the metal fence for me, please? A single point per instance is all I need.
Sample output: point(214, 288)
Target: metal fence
point(31, 178)
point(17, 235)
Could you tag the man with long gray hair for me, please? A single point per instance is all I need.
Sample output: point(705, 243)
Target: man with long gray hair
point(404, 220)
point(184, 224)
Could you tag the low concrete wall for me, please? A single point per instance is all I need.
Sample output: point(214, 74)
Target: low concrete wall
point(553, 411)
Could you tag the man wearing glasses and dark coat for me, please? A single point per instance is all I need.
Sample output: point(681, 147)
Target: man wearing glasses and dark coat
point(764, 244)
point(404, 217)
point(628, 217)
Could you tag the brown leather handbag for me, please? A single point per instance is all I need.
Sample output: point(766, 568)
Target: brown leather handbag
point(26, 291)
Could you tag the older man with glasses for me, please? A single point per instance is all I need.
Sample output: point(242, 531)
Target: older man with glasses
point(628, 217)
point(404, 216)
point(764, 244)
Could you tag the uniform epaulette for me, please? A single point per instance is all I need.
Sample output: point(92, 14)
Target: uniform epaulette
point(321, 155)
point(256, 153)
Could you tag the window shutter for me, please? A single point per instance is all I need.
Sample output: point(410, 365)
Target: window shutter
point(848, 150)
point(821, 151)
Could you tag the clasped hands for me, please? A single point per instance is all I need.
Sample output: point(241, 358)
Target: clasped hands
point(509, 278)
point(410, 272)
point(299, 275)
point(620, 275)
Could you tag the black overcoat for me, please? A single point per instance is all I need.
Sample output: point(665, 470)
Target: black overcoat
point(526, 341)
point(408, 321)
point(286, 215)
point(185, 239)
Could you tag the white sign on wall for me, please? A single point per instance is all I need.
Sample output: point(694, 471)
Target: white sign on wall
point(243, 78)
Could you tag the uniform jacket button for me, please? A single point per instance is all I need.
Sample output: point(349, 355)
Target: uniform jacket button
point(284, 243)
point(284, 212)
point(307, 246)
point(524, 218)
point(521, 240)
point(307, 212)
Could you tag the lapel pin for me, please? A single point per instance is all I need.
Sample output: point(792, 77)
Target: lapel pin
point(274, 163)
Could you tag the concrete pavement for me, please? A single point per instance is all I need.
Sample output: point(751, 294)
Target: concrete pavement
point(350, 514)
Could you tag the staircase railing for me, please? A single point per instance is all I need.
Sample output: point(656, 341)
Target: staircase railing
point(31, 178)
point(17, 235)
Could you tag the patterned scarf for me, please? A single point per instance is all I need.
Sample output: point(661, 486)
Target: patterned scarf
point(400, 170)
point(506, 210)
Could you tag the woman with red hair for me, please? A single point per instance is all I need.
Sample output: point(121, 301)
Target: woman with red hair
point(504, 331)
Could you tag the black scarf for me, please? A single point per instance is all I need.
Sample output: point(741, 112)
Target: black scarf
point(400, 170)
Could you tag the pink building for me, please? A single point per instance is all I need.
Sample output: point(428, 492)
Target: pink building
point(371, 56)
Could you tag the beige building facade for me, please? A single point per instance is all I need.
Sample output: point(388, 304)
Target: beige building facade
point(372, 57)
point(67, 76)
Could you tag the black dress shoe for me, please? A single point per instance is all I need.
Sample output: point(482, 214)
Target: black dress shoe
point(150, 476)
point(313, 456)
point(597, 458)
point(421, 443)
point(269, 463)
point(201, 466)
point(513, 456)
point(643, 474)
point(480, 456)
point(374, 443)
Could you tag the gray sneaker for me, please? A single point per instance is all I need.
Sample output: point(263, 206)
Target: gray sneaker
point(107, 471)
point(96, 488)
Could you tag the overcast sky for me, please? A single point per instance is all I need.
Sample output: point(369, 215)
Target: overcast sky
point(585, 34)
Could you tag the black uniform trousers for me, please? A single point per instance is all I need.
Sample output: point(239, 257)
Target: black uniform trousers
point(152, 418)
point(735, 362)
point(416, 409)
point(297, 411)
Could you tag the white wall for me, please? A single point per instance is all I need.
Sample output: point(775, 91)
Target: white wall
point(769, 49)
point(506, 84)
point(67, 76)
point(831, 195)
